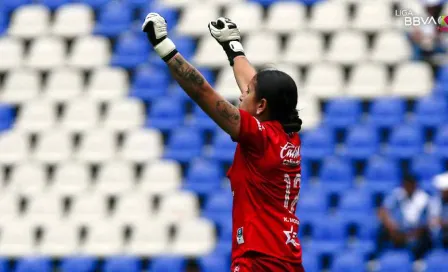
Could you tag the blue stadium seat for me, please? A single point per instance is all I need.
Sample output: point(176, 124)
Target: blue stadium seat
point(395, 261)
point(405, 141)
point(355, 203)
point(4, 267)
point(367, 226)
point(185, 45)
point(203, 176)
point(114, 19)
point(442, 75)
point(425, 167)
point(348, 262)
point(6, 117)
point(184, 145)
point(311, 262)
point(79, 264)
point(387, 112)
point(208, 75)
point(328, 238)
point(95, 4)
point(200, 120)
point(441, 142)
point(431, 111)
point(381, 174)
point(312, 201)
point(317, 143)
point(138, 4)
point(436, 261)
point(223, 148)
point(264, 3)
point(130, 51)
point(361, 142)
point(224, 244)
point(165, 114)
point(3, 21)
point(35, 264)
point(342, 112)
point(214, 263)
point(10, 5)
point(336, 175)
point(54, 4)
point(163, 264)
point(122, 263)
point(149, 83)
point(176, 92)
point(218, 207)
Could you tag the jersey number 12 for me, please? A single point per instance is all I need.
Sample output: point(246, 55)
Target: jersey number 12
point(296, 183)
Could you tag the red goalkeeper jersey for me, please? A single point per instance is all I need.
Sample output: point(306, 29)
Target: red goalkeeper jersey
point(265, 180)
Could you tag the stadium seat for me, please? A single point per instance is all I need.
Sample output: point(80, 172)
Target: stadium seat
point(7, 116)
point(122, 263)
point(304, 48)
point(328, 238)
point(142, 146)
point(203, 177)
point(405, 141)
point(165, 114)
point(378, 10)
point(218, 206)
point(4, 266)
point(425, 167)
point(133, 207)
point(161, 176)
point(200, 120)
point(97, 146)
point(311, 262)
point(293, 12)
point(214, 263)
point(63, 85)
point(436, 261)
point(361, 142)
point(248, 16)
point(223, 148)
point(347, 47)
point(17, 240)
point(14, 147)
point(130, 51)
point(183, 145)
point(381, 174)
point(194, 238)
point(224, 243)
point(81, 115)
point(88, 208)
point(104, 239)
point(441, 142)
point(312, 201)
point(53, 235)
point(355, 203)
point(337, 11)
point(20, 86)
point(95, 4)
point(36, 116)
point(115, 177)
point(54, 4)
point(178, 206)
point(107, 84)
point(162, 264)
point(194, 19)
point(149, 240)
point(149, 83)
point(209, 47)
point(368, 80)
point(12, 51)
point(387, 112)
point(226, 84)
point(28, 178)
point(70, 178)
point(29, 21)
point(431, 111)
point(78, 264)
point(324, 80)
point(395, 261)
point(391, 47)
point(9, 204)
point(309, 111)
point(341, 112)
point(412, 80)
point(53, 147)
point(336, 175)
point(113, 19)
point(348, 262)
point(73, 20)
point(185, 45)
point(37, 264)
point(125, 115)
point(262, 48)
point(318, 143)
point(89, 52)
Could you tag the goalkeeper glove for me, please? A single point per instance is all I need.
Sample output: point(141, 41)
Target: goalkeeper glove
point(228, 35)
point(155, 27)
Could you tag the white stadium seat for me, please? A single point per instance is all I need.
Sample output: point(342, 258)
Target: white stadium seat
point(262, 48)
point(72, 20)
point(324, 80)
point(142, 146)
point(103, 239)
point(20, 86)
point(36, 116)
point(12, 51)
point(71, 178)
point(224, 3)
point(160, 177)
point(81, 115)
point(97, 146)
point(14, 146)
point(366, 11)
point(90, 52)
point(9, 207)
point(209, 47)
point(226, 84)
point(391, 47)
point(115, 177)
point(47, 53)
point(194, 238)
point(178, 3)
point(125, 115)
point(28, 178)
point(88, 208)
point(280, 12)
point(368, 80)
point(64, 85)
point(195, 18)
point(304, 48)
point(247, 15)
point(178, 206)
point(44, 208)
point(309, 111)
point(412, 79)
point(17, 239)
point(30, 21)
point(53, 146)
point(151, 239)
point(51, 244)
point(329, 16)
point(133, 207)
point(348, 48)
point(292, 71)
point(108, 84)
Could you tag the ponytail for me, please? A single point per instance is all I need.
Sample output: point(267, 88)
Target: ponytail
point(293, 123)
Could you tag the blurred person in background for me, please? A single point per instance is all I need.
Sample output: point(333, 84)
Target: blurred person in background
point(404, 219)
point(439, 211)
point(265, 174)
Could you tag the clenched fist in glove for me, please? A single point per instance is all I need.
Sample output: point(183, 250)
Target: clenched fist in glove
point(155, 27)
point(228, 35)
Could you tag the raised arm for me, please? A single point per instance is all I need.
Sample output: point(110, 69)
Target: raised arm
point(243, 71)
point(190, 79)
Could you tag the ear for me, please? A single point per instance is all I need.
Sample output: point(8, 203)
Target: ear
point(262, 106)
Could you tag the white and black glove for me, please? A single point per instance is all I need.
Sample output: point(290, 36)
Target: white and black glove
point(155, 27)
point(228, 35)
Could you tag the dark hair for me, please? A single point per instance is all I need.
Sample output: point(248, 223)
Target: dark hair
point(280, 92)
point(409, 178)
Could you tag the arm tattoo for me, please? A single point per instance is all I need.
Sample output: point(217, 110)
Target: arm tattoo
point(187, 75)
point(228, 111)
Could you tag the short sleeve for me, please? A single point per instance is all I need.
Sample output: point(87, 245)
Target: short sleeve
point(252, 134)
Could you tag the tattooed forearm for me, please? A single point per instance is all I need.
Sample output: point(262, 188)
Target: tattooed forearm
point(228, 111)
point(187, 76)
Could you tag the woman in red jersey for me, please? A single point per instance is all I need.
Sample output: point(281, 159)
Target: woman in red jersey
point(265, 175)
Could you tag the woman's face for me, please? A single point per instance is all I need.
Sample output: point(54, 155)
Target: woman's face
point(248, 99)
